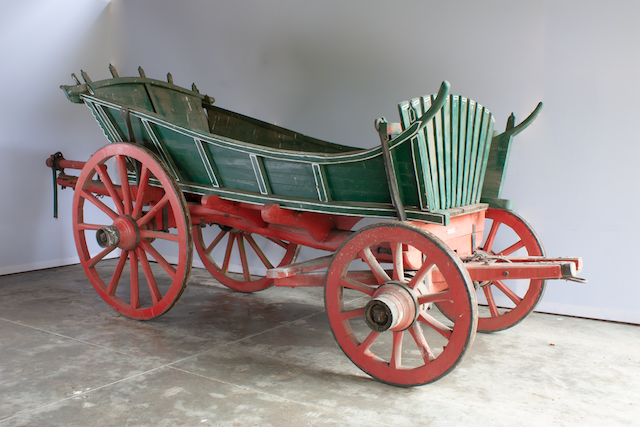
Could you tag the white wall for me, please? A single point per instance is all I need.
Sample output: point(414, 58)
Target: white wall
point(328, 69)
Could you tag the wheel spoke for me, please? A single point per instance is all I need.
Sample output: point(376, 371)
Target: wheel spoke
point(96, 259)
point(507, 291)
point(113, 284)
point(141, 192)
point(124, 184)
point(159, 258)
point(352, 314)
point(398, 266)
point(511, 249)
point(491, 236)
point(368, 342)
point(396, 353)
point(421, 342)
point(421, 274)
point(153, 211)
point(435, 297)
point(493, 309)
point(156, 296)
point(434, 323)
point(104, 208)
point(243, 258)
point(152, 234)
point(258, 251)
point(106, 180)
point(279, 242)
point(135, 292)
point(346, 282)
point(375, 266)
point(215, 241)
point(86, 226)
point(227, 254)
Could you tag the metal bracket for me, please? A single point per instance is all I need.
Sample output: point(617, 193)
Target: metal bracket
point(54, 163)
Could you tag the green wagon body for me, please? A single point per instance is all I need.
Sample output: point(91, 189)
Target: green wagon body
point(440, 170)
point(178, 164)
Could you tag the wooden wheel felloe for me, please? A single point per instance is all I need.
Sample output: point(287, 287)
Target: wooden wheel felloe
point(507, 234)
point(382, 323)
point(239, 246)
point(133, 219)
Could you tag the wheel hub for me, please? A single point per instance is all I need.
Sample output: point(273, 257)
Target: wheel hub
point(394, 307)
point(124, 233)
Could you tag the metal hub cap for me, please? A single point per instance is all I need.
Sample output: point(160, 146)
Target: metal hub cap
point(394, 307)
point(124, 233)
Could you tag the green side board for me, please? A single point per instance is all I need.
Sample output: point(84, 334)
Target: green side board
point(440, 170)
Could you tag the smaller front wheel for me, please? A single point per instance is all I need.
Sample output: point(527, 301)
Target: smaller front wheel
point(238, 246)
point(384, 324)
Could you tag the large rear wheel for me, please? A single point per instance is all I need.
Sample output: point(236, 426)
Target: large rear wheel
point(380, 317)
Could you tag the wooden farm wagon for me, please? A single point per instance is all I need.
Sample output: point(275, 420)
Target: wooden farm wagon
point(400, 294)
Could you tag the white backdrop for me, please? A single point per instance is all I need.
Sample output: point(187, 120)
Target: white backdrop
point(328, 69)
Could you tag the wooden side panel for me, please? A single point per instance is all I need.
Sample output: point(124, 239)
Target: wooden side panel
point(130, 94)
point(180, 108)
point(243, 128)
point(358, 182)
point(183, 151)
point(234, 168)
point(290, 178)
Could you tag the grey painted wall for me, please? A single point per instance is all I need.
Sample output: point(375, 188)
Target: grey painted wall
point(328, 69)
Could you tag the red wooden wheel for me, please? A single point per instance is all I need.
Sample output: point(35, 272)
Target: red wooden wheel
point(240, 248)
point(507, 234)
point(130, 219)
point(384, 325)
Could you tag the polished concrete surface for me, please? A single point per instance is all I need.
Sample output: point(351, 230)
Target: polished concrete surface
point(269, 359)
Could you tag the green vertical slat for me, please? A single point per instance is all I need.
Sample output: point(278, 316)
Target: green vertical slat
point(429, 133)
point(471, 111)
point(462, 142)
point(418, 106)
point(455, 123)
point(486, 118)
point(446, 133)
point(420, 158)
point(439, 144)
point(477, 127)
point(485, 160)
point(403, 109)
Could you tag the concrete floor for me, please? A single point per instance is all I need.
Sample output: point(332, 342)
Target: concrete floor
point(225, 358)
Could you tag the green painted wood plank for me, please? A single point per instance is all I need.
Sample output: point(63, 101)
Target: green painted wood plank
point(455, 124)
point(261, 176)
point(429, 134)
point(321, 182)
point(446, 134)
point(208, 163)
point(482, 142)
point(485, 158)
point(462, 149)
point(477, 127)
point(184, 153)
point(161, 150)
point(471, 112)
point(439, 155)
